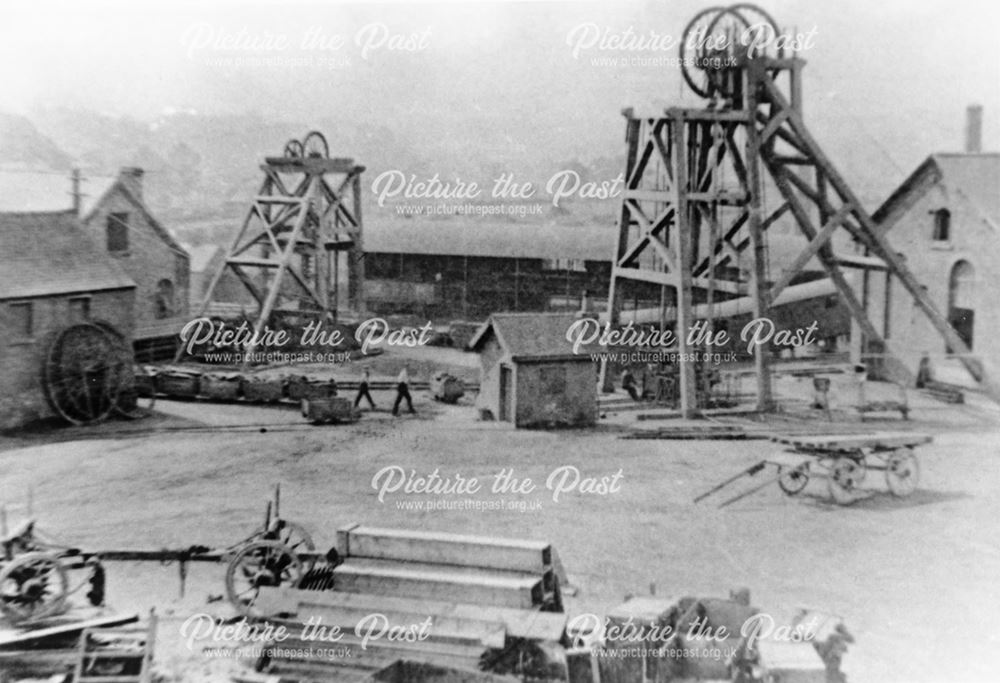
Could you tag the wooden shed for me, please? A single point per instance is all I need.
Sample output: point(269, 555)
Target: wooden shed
point(529, 374)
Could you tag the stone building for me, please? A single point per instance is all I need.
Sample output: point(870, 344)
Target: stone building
point(945, 220)
point(51, 277)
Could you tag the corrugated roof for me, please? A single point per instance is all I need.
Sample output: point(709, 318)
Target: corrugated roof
point(45, 253)
point(476, 237)
point(529, 334)
point(24, 191)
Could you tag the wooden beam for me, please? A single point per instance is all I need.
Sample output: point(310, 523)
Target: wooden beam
point(758, 284)
point(800, 261)
point(884, 250)
point(688, 390)
point(644, 275)
point(826, 258)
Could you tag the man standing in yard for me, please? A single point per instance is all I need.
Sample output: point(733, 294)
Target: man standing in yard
point(403, 391)
point(628, 384)
point(363, 392)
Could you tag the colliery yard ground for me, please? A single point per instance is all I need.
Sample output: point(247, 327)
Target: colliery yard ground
point(914, 579)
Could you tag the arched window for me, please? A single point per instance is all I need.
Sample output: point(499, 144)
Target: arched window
point(164, 299)
point(962, 300)
point(942, 225)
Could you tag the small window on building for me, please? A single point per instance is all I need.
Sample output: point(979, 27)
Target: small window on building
point(22, 319)
point(118, 232)
point(942, 225)
point(79, 308)
point(164, 299)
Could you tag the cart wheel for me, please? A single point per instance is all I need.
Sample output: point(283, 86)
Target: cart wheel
point(845, 475)
point(793, 480)
point(33, 586)
point(902, 472)
point(258, 564)
point(294, 536)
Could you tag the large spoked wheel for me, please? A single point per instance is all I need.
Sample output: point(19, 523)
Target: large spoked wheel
point(293, 149)
point(33, 586)
point(314, 145)
point(719, 38)
point(902, 472)
point(793, 480)
point(845, 477)
point(84, 372)
point(692, 50)
point(293, 536)
point(257, 565)
point(131, 403)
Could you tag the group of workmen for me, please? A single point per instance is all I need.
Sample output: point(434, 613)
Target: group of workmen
point(402, 391)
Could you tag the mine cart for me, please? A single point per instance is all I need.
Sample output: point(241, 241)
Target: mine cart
point(446, 388)
point(329, 410)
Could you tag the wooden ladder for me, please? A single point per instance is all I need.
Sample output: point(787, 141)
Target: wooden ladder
point(122, 654)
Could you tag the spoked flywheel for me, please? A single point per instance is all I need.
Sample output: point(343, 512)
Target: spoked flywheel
point(32, 586)
point(84, 372)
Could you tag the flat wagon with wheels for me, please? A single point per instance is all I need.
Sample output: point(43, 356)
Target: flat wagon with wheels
point(844, 460)
point(38, 574)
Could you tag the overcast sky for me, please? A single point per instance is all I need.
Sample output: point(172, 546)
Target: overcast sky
point(897, 75)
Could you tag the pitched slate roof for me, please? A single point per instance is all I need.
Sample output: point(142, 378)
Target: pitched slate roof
point(530, 335)
point(47, 253)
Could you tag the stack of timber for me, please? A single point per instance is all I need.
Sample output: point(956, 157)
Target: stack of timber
point(466, 604)
point(946, 393)
point(687, 430)
point(52, 647)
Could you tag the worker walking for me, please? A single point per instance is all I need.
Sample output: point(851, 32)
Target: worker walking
point(363, 392)
point(403, 391)
point(629, 384)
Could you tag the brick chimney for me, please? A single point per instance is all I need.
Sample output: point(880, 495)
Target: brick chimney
point(974, 129)
point(131, 177)
point(75, 192)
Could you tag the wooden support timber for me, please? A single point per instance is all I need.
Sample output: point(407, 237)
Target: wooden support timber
point(286, 251)
point(686, 168)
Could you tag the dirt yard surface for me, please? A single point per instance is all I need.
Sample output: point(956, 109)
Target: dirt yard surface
point(914, 579)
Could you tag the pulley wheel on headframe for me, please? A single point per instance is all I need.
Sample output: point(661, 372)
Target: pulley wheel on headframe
point(719, 40)
point(314, 146)
point(84, 372)
point(293, 149)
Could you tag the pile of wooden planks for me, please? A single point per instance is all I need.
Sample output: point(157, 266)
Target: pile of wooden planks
point(465, 603)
